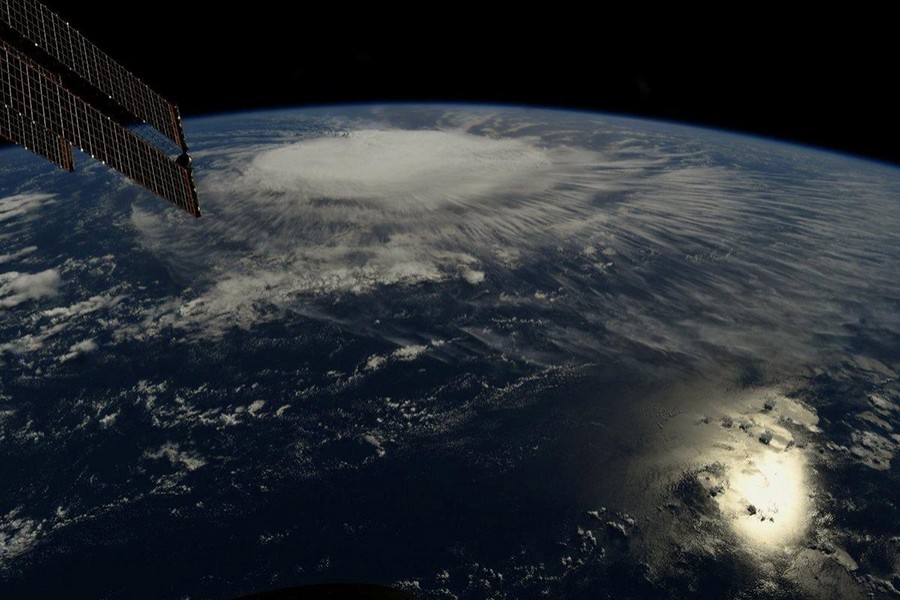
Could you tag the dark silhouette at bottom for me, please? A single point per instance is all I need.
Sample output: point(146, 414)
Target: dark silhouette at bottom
point(332, 591)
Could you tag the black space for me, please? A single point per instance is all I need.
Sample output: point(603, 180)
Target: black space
point(825, 79)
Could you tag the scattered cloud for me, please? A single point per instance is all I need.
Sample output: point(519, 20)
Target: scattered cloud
point(6, 258)
point(403, 354)
point(109, 420)
point(55, 321)
point(375, 362)
point(17, 288)
point(472, 276)
point(14, 207)
point(32, 342)
point(79, 349)
point(256, 407)
point(409, 353)
point(18, 534)
point(177, 457)
point(85, 307)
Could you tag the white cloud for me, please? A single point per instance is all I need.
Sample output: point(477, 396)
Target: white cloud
point(108, 420)
point(5, 258)
point(173, 453)
point(410, 170)
point(351, 214)
point(677, 247)
point(13, 207)
point(472, 276)
point(16, 288)
point(255, 407)
point(82, 308)
point(31, 342)
point(60, 319)
point(376, 442)
point(18, 534)
point(375, 362)
point(408, 353)
point(79, 349)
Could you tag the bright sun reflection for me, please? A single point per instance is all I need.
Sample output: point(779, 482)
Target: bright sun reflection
point(768, 498)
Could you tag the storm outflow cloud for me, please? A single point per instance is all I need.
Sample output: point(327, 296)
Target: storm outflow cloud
point(350, 213)
point(292, 223)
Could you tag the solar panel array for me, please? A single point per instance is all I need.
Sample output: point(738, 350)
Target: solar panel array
point(51, 34)
point(39, 112)
point(40, 140)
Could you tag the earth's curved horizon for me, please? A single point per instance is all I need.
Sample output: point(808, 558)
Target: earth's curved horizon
point(467, 351)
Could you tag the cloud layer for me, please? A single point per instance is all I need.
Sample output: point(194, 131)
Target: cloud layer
point(411, 170)
point(641, 236)
point(350, 213)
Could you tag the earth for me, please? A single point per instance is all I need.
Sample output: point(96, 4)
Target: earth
point(465, 351)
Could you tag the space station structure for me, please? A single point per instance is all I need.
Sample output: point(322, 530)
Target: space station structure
point(58, 91)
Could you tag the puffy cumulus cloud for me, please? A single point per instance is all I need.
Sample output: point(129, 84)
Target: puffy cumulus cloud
point(349, 213)
point(79, 349)
point(16, 288)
